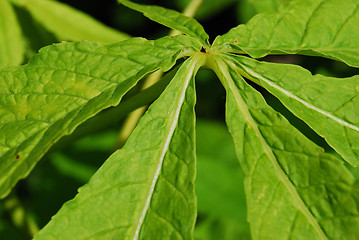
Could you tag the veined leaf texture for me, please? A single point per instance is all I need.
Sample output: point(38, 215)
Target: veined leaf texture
point(294, 189)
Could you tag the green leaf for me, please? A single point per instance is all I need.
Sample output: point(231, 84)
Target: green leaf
point(222, 196)
point(294, 190)
point(267, 5)
point(11, 45)
point(328, 105)
point(34, 35)
point(311, 27)
point(208, 8)
point(221, 199)
point(68, 23)
point(65, 85)
point(248, 8)
point(172, 19)
point(146, 189)
point(212, 228)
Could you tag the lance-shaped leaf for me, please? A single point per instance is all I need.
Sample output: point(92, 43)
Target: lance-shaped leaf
point(146, 189)
point(311, 27)
point(294, 190)
point(65, 85)
point(68, 23)
point(11, 45)
point(172, 19)
point(328, 105)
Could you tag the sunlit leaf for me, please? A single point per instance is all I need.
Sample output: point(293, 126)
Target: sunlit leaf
point(171, 19)
point(310, 27)
point(329, 105)
point(65, 85)
point(67, 23)
point(146, 189)
point(293, 188)
point(11, 44)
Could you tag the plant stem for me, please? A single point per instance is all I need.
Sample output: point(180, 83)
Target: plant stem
point(133, 118)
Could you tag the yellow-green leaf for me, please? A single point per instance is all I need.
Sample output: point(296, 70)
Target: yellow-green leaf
point(171, 19)
point(11, 44)
point(327, 28)
point(63, 86)
point(69, 24)
point(146, 189)
point(294, 190)
point(328, 105)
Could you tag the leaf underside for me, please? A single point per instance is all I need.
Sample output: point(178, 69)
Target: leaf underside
point(309, 193)
point(328, 105)
point(63, 86)
point(318, 28)
point(146, 189)
point(294, 190)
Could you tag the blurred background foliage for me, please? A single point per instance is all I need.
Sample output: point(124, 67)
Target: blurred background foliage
point(71, 163)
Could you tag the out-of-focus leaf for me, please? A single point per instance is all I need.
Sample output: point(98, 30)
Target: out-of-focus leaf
point(219, 185)
point(35, 35)
point(212, 228)
point(219, 181)
point(248, 8)
point(208, 8)
point(68, 23)
point(11, 44)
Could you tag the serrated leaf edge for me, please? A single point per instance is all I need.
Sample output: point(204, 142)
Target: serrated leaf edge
point(308, 105)
point(193, 67)
point(253, 75)
point(230, 86)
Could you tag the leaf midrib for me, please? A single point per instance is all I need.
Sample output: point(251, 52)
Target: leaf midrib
point(298, 99)
point(165, 147)
point(284, 49)
point(280, 173)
